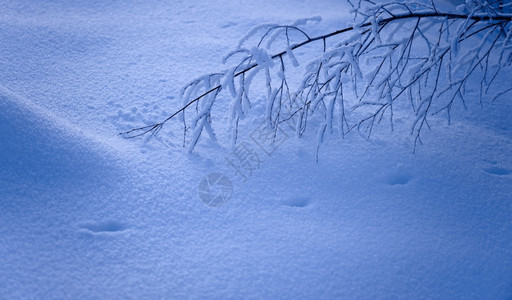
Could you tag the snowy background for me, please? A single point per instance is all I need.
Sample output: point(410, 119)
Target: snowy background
point(86, 214)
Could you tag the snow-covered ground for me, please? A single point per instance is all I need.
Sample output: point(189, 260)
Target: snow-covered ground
point(85, 214)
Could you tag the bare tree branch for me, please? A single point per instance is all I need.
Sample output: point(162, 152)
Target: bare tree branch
point(397, 50)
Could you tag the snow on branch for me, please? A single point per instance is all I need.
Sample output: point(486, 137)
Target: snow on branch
point(397, 52)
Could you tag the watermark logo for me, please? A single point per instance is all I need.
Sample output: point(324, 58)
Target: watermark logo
point(268, 138)
point(247, 157)
point(215, 189)
point(244, 160)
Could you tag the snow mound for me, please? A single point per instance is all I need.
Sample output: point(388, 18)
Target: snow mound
point(39, 147)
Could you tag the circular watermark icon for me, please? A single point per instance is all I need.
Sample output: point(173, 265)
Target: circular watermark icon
point(215, 189)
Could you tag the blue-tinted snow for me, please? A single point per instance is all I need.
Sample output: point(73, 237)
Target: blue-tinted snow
point(85, 214)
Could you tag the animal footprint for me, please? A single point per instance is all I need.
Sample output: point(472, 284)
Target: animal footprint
point(498, 171)
point(297, 202)
point(228, 24)
point(398, 178)
point(103, 227)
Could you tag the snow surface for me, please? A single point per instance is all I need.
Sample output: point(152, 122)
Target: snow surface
point(85, 214)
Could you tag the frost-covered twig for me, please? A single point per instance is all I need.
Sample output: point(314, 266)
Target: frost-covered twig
point(397, 50)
